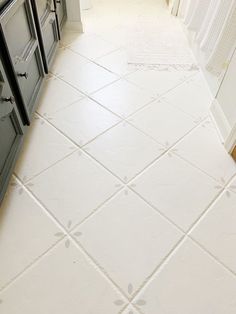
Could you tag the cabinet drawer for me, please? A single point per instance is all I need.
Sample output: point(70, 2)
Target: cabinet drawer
point(61, 12)
point(50, 37)
point(17, 22)
point(46, 25)
point(29, 78)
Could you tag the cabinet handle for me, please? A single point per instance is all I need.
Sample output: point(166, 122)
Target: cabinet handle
point(25, 75)
point(58, 1)
point(10, 99)
point(53, 11)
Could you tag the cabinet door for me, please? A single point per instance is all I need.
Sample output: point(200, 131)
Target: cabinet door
point(61, 12)
point(19, 31)
point(46, 24)
point(11, 131)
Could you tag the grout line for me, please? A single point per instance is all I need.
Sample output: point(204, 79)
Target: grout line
point(158, 267)
point(212, 256)
point(158, 211)
point(101, 269)
point(30, 266)
point(182, 81)
point(73, 141)
point(131, 114)
point(205, 212)
point(97, 209)
point(169, 149)
point(87, 93)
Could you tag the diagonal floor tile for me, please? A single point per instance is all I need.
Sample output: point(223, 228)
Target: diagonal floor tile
point(67, 61)
point(56, 95)
point(83, 120)
point(192, 97)
point(124, 150)
point(177, 189)
point(216, 231)
point(74, 179)
point(62, 282)
point(43, 146)
point(163, 122)
point(112, 234)
point(118, 35)
point(203, 148)
point(89, 77)
point(158, 82)
point(116, 62)
point(190, 282)
point(91, 46)
point(26, 232)
point(123, 98)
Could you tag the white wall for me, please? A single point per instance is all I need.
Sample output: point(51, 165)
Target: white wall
point(74, 22)
point(227, 93)
point(224, 107)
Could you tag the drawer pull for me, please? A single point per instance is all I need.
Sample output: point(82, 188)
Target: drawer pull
point(9, 99)
point(58, 1)
point(25, 75)
point(53, 11)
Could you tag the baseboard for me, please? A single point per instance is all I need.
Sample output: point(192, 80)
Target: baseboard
point(74, 26)
point(230, 143)
point(221, 121)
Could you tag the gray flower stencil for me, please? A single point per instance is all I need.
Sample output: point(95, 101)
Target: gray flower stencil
point(222, 184)
point(167, 147)
point(233, 187)
point(228, 193)
point(18, 187)
point(206, 123)
point(223, 187)
point(171, 152)
point(40, 120)
point(198, 120)
point(30, 185)
point(46, 116)
point(130, 290)
point(118, 185)
point(125, 179)
point(61, 234)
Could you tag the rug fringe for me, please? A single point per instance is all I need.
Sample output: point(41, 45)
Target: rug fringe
point(164, 67)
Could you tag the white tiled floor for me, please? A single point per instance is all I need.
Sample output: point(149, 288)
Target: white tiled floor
point(123, 200)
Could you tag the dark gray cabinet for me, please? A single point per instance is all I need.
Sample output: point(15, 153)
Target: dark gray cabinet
point(60, 6)
point(18, 28)
point(11, 131)
point(29, 34)
point(61, 14)
point(46, 24)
